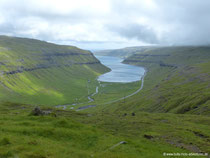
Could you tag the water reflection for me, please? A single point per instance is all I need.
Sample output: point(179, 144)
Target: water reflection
point(120, 72)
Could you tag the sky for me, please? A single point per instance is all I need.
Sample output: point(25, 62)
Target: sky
point(108, 24)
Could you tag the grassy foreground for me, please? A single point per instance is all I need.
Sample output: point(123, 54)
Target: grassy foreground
point(74, 134)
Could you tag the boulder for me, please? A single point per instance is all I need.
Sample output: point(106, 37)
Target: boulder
point(148, 136)
point(37, 112)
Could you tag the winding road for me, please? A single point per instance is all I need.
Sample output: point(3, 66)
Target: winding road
point(96, 92)
point(90, 96)
point(142, 85)
point(113, 101)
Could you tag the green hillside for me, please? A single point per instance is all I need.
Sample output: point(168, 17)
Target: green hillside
point(37, 72)
point(177, 80)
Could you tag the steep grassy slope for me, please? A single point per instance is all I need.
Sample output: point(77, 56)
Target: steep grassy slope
point(178, 80)
point(37, 72)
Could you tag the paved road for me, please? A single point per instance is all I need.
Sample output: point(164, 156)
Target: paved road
point(142, 85)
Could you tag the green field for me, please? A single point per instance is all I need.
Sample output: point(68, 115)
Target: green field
point(76, 134)
point(169, 115)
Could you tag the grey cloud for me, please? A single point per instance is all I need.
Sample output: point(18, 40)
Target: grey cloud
point(178, 22)
point(191, 21)
point(6, 28)
point(135, 31)
point(188, 21)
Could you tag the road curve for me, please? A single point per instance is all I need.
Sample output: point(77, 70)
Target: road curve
point(113, 101)
point(141, 87)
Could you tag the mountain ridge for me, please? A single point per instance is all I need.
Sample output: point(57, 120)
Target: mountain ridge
point(25, 63)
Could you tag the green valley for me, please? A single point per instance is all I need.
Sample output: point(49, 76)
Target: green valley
point(171, 114)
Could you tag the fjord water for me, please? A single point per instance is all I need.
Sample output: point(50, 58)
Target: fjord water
point(119, 72)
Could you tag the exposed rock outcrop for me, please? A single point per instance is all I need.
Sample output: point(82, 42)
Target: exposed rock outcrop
point(38, 112)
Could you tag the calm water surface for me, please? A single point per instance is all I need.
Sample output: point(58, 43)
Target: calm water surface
point(120, 72)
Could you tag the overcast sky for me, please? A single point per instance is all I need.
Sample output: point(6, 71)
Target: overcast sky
point(106, 24)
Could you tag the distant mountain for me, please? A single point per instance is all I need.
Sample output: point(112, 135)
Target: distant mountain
point(124, 52)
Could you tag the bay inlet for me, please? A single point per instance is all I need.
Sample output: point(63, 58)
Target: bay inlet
point(120, 72)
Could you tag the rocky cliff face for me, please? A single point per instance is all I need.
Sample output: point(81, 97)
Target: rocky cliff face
point(18, 55)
